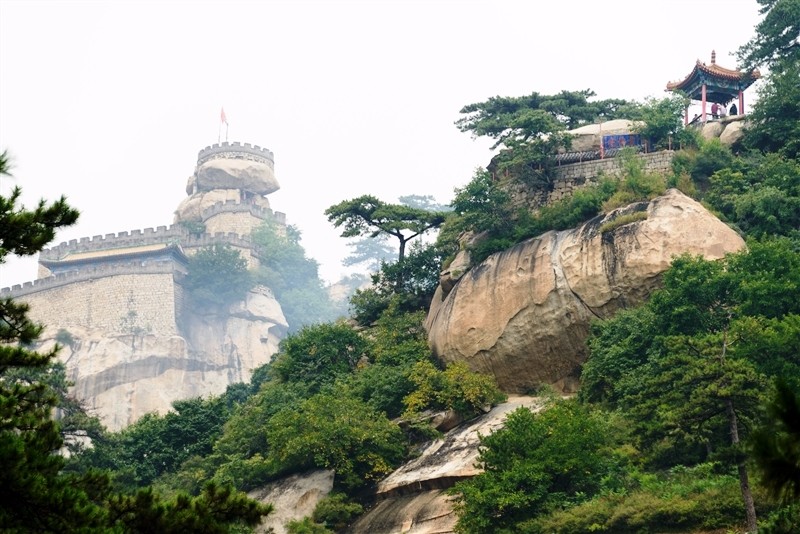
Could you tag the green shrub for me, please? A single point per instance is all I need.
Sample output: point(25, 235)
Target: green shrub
point(306, 526)
point(319, 354)
point(336, 511)
point(217, 275)
point(534, 464)
point(64, 337)
point(622, 220)
point(332, 430)
point(456, 388)
point(685, 499)
point(635, 184)
point(195, 228)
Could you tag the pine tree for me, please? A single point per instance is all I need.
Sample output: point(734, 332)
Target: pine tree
point(34, 496)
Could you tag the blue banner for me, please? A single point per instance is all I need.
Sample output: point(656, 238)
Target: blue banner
point(621, 141)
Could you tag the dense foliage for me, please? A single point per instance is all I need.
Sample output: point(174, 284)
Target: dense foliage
point(687, 418)
point(37, 494)
point(217, 275)
point(291, 276)
point(533, 128)
point(535, 464)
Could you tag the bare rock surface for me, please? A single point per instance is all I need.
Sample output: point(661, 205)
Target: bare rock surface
point(523, 314)
point(412, 498)
point(252, 176)
point(712, 130)
point(293, 497)
point(732, 134)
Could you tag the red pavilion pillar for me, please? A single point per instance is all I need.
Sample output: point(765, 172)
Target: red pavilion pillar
point(741, 102)
point(703, 96)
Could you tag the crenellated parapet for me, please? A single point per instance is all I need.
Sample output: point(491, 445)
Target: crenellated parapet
point(236, 150)
point(233, 206)
point(173, 234)
point(135, 238)
point(92, 273)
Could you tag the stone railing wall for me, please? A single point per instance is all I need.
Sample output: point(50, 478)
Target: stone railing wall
point(127, 299)
point(90, 273)
point(573, 176)
point(236, 150)
point(165, 234)
point(137, 238)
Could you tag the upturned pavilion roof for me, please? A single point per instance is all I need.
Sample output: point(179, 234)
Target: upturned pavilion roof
point(722, 84)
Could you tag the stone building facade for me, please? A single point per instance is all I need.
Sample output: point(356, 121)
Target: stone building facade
point(133, 340)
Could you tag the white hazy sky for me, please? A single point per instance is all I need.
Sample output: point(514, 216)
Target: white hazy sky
point(108, 102)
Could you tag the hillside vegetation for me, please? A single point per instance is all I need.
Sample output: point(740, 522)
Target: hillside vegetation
point(687, 419)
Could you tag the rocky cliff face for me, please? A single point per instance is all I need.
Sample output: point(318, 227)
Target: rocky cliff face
point(413, 499)
point(523, 314)
point(122, 376)
point(293, 498)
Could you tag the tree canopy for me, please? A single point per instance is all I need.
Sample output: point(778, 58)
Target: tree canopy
point(367, 215)
point(510, 120)
point(291, 275)
point(776, 41)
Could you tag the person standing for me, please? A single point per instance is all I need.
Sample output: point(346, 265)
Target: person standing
point(733, 110)
point(714, 110)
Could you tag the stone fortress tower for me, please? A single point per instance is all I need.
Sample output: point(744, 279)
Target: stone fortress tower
point(132, 341)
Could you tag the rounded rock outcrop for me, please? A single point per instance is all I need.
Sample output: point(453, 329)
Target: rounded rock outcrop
point(523, 314)
point(253, 176)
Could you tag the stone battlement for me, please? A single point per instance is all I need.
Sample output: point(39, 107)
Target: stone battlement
point(233, 206)
point(236, 150)
point(136, 238)
point(100, 271)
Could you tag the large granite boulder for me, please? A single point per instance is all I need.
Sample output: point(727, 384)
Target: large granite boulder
point(712, 130)
point(192, 208)
point(523, 314)
point(732, 134)
point(253, 176)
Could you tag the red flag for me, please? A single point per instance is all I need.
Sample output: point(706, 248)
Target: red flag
point(222, 116)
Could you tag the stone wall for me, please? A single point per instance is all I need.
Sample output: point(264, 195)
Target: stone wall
point(573, 176)
point(238, 222)
point(122, 301)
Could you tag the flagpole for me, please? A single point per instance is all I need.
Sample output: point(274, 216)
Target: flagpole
point(222, 118)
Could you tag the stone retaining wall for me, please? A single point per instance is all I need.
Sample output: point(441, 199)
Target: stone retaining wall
point(573, 176)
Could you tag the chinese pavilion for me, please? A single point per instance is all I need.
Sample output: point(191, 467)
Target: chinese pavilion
point(712, 83)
